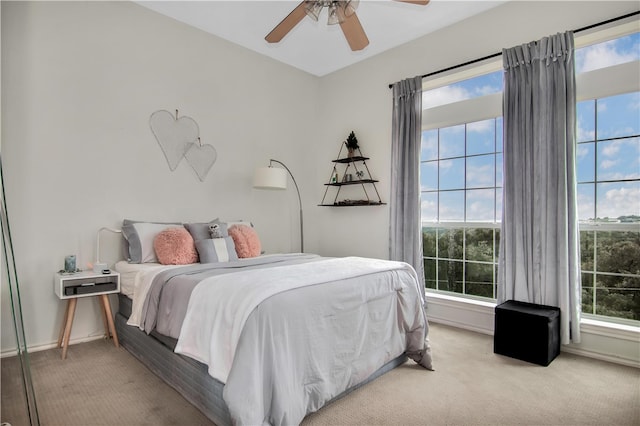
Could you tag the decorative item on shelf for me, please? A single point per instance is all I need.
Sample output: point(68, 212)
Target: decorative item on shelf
point(70, 263)
point(352, 144)
point(347, 202)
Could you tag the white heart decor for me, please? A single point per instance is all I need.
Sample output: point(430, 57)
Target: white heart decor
point(180, 137)
point(175, 135)
point(201, 159)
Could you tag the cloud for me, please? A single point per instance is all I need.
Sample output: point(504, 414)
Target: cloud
point(602, 106)
point(429, 146)
point(611, 148)
point(480, 175)
point(481, 126)
point(582, 151)
point(487, 90)
point(444, 95)
point(601, 55)
point(455, 93)
point(607, 164)
point(585, 135)
point(480, 211)
point(428, 209)
point(619, 176)
point(585, 206)
point(619, 202)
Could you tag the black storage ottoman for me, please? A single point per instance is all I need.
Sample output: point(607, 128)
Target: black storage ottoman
point(527, 331)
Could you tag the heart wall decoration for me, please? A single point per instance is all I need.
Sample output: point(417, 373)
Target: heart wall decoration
point(179, 137)
point(201, 158)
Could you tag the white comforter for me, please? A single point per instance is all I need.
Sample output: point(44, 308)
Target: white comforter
point(283, 353)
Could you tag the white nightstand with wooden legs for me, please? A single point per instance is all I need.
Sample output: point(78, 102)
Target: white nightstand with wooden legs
point(86, 284)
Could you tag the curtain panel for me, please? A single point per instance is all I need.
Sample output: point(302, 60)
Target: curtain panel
point(405, 222)
point(539, 259)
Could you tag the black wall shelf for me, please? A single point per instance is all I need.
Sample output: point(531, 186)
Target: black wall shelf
point(354, 171)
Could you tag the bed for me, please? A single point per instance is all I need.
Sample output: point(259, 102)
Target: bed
point(268, 339)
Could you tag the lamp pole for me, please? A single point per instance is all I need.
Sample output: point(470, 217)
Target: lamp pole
point(299, 200)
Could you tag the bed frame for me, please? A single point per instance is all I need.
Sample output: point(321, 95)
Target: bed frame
point(188, 376)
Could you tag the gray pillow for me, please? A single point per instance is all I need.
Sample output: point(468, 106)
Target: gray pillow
point(214, 250)
point(139, 238)
point(200, 231)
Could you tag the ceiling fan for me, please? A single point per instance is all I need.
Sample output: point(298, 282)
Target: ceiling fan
point(341, 12)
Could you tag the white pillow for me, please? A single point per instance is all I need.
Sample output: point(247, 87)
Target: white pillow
point(140, 236)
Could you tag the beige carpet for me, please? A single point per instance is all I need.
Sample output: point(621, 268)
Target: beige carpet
point(101, 385)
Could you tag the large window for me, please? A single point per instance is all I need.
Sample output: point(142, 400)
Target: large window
point(461, 184)
point(461, 174)
point(461, 179)
point(608, 169)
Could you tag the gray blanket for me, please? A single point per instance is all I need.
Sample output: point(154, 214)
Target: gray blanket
point(166, 304)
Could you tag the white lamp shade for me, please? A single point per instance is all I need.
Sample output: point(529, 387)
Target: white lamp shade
point(270, 178)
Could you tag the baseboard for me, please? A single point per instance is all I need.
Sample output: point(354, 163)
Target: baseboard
point(601, 340)
point(469, 314)
point(37, 348)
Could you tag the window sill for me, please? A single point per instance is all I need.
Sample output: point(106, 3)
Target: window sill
point(603, 340)
point(610, 329)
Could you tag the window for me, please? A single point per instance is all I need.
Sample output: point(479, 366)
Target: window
point(461, 179)
point(461, 185)
point(608, 170)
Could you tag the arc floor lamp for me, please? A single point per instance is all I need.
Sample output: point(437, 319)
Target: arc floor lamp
point(276, 178)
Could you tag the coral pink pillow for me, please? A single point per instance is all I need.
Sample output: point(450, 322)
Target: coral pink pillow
point(175, 246)
point(246, 240)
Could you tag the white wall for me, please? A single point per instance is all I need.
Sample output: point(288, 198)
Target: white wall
point(79, 82)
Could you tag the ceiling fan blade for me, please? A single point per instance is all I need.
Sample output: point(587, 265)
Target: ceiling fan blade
point(420, 2)
point(354, 33)
point(287, 24)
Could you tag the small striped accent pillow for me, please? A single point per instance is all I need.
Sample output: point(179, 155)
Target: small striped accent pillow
point(214, 250)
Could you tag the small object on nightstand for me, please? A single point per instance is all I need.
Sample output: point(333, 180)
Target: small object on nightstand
point(106, 271)
point(70, 263)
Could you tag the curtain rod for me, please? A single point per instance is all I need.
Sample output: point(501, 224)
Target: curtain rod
point(495, 55)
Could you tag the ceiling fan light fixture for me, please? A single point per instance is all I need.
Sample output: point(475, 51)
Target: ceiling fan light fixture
point(335, 14)
point(337, 10)
point(340, 10)
point(350, 7)
point(313, 8)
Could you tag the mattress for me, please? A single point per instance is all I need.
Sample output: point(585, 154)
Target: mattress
point(129, 272)
point(190, 377)
point(124, 309)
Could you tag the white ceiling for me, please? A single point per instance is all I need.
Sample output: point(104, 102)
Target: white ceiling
point(316, 47)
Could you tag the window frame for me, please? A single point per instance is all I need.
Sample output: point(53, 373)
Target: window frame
point(595, 84)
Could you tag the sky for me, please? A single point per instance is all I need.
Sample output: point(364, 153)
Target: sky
point(614, 160)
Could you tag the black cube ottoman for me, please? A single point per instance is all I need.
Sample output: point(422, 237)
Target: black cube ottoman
point(527, 331)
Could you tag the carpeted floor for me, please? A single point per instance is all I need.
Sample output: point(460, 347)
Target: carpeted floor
point(100, 385)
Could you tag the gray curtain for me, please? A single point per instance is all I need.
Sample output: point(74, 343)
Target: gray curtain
point(405, 223)
point(539, 259)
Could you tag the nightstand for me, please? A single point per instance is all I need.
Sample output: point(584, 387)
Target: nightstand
point(72, 286)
